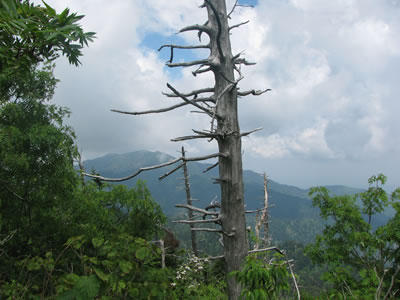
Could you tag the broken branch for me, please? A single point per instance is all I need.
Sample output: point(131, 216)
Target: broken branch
point(205, 212)
point(211, 167)
point(101, 178)
point(172, 171)
point(253, 92)
point(244, 62)
point(216, 220)
point(189, 63)
point(188, 100)
point(250, 132)
point(189, 137)
point(200, 28)
point(192, 93)
point(201, 71)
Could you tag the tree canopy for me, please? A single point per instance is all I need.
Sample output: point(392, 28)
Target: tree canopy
point(31, 35)
point(362, 260)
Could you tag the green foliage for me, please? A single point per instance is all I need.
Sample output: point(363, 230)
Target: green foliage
point(85, 288)
point(32, 35)
point(104, 211)
point(360, 261)
point(110, 247)
point(36, 176)
point(123, 266)
point(262, 280)
point(375, 198)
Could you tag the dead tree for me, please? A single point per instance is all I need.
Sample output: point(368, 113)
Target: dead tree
point(263, 220)
point(189, 202)
point(219, 103)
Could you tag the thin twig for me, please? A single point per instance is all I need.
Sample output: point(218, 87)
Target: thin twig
point(238, 25)
point(211, 167)
point(172, 171)
point(232, 10)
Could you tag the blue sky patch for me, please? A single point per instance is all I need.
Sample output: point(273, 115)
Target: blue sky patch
point(154, 41)
point(249, 2)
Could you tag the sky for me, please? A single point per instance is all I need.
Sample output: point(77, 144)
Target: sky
point(332, 116)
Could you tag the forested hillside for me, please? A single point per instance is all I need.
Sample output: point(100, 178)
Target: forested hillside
point(292, 214)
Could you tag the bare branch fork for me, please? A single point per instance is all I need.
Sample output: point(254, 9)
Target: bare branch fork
point(200, 158)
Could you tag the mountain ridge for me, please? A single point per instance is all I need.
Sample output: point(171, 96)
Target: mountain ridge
point(120, 165)
point(291, 212)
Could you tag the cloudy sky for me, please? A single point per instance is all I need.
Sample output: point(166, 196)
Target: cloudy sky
point(333, 66)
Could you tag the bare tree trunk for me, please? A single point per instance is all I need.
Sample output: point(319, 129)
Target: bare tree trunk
point(265, 215)
point(162, 247)
point(263, 220)
point(230, 169)
point(189, 202)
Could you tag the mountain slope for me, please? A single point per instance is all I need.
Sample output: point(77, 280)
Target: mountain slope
point(169, 191)
point(290, 205)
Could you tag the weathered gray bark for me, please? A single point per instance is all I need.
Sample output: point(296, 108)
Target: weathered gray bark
point(230, 169)
point(189, 202)
point(265, 215)
point(263, 220)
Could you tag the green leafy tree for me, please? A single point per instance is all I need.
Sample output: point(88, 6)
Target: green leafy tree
point(32, 34)
point(111, 209)
point(261, 280)
point(37, 177)
point(123, 267)
point(362, 263)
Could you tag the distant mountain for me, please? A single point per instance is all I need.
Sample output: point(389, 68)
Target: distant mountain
point(290, 204)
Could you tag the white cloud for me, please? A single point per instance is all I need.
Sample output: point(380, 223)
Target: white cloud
point(332, 66)
point(308, 143)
